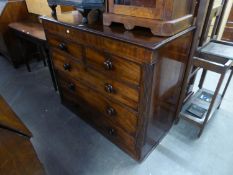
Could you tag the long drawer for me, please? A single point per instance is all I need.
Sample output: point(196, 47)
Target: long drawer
point(106, 86)
point(114, 120)
point(116, 113)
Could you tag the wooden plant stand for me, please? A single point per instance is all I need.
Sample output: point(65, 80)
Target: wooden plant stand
point(216, 56)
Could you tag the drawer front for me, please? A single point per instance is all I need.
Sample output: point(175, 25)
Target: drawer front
point(108, 129)
point(70, 48)
point(106, 110)
point(106, 86)
point(113, 66)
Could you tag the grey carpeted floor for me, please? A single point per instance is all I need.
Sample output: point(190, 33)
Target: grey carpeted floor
point(68, 146)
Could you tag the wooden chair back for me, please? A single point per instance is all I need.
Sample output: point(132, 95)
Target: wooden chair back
point(228, 30)
point(212, 21)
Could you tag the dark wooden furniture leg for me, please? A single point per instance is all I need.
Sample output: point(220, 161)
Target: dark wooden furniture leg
point(25, 55)
point(226, 87)
point(47, 56)
point(42, 55)
point(27, 63)
point(228, 82)
point(54, 11)
point(84, 13)
point(216, 92)
point(203, 76)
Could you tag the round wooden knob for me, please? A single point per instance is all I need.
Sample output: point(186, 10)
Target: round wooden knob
point(108, 65)
point(108, 88)
point(71, 86)
point(62, 46)
point(67, 66)
point(111, 131)
point(110, 111)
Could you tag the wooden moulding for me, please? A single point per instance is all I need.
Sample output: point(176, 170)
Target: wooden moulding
point(162, 17)
point(157, 27)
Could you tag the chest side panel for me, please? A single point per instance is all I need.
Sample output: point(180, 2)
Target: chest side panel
point(168, 74)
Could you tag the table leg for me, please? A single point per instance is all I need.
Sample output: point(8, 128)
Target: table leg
point(43, 56)
point(203, 76)
point(54, 11)
point(216, 92)
point(49, 62)
point(25, 55)
point(228, 82)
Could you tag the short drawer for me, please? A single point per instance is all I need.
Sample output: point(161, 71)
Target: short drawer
point(59, 30)
point(106, 110)
point(113, 66)
point(67, 47)
point(107, 87)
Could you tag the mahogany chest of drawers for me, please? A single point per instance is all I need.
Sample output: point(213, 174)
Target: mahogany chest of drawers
point(125, 84)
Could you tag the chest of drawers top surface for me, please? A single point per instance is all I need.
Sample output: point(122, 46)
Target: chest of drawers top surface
point(140, 37)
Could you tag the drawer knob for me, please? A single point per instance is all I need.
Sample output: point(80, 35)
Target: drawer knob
point(108, 65)
point(67, 66)
point(110, 111)
point(71, 86)
point(63, 47)
point(108, 88)
point(111, 132)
